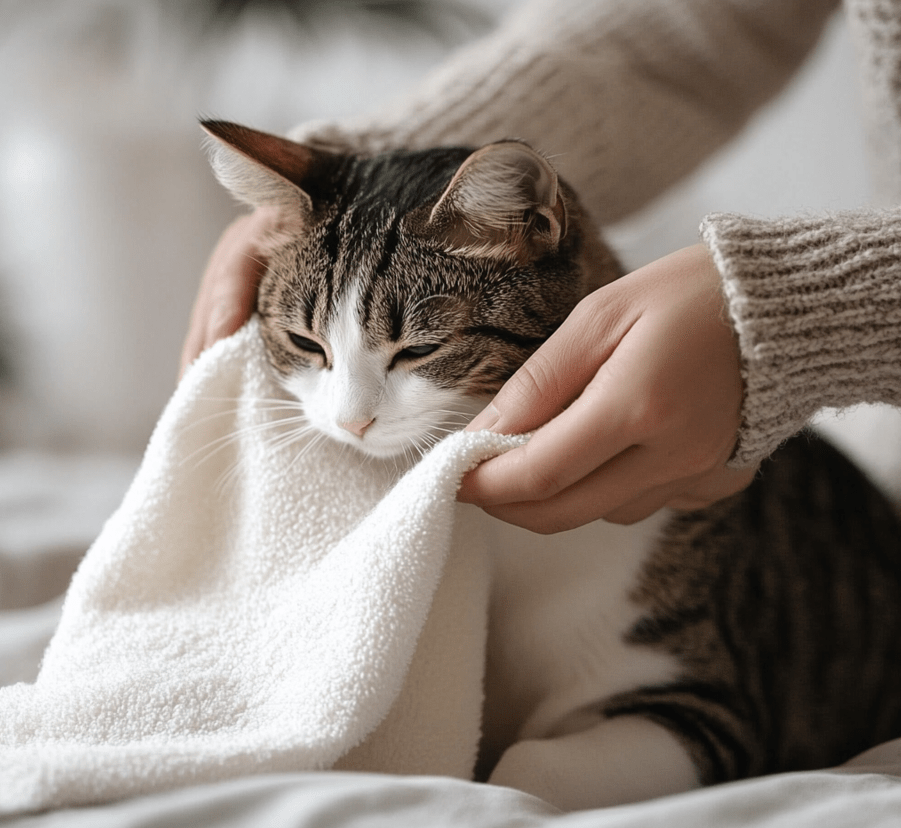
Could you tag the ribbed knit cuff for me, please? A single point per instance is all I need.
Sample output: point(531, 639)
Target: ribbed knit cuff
point(816, 303)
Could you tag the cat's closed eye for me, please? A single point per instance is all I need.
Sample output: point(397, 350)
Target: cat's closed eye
point(304, 343)
point(413, 353)
point(417, 351)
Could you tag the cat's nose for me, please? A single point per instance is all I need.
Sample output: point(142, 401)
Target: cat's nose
point(358, 427)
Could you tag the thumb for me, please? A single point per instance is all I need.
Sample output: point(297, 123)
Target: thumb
point(553, 376)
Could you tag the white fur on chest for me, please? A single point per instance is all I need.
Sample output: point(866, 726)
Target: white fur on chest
point(559, 611)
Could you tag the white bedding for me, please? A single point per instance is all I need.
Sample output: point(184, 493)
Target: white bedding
point(357, 800)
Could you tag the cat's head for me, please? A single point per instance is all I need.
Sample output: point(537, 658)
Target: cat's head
point(403, 289)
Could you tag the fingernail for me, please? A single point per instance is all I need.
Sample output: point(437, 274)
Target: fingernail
point(485, 419)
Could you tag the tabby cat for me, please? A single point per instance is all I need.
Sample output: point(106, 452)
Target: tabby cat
point(759, 635)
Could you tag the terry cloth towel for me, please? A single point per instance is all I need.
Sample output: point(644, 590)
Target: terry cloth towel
point(259, 606)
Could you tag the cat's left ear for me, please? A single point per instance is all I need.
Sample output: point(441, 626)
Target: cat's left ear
point(261, 169)
point(504, 201)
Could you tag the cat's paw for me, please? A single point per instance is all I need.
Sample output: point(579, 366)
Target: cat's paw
point(621, 760)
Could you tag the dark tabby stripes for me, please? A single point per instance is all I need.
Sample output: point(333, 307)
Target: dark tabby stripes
point(783, 604)
point(368, 233)
point(527, 343)
point(702, 717)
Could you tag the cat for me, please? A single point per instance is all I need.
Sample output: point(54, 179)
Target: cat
point(759, 635)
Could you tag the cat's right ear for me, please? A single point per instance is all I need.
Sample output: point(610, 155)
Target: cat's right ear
point(504, 200)
point(261, 169)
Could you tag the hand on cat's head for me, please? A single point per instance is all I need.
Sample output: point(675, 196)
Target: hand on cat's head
point(228, 289)
point(637, 401)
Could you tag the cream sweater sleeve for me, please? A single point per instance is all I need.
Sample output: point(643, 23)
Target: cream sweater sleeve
point(625, 96)
point(816, 303)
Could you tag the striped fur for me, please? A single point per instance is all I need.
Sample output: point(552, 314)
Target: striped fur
point(783, 604)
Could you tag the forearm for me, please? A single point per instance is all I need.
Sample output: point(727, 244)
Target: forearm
point(625, 97)
point(816, 303)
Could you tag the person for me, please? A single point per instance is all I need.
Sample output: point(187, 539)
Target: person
point(670, 385)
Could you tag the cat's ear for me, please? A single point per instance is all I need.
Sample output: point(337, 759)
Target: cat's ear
point(505, 201)
point(262, 169)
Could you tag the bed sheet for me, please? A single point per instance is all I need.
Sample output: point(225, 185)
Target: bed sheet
point(349, 800)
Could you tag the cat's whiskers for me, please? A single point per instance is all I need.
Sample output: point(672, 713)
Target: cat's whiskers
point(269, 405)
point(229, 477)
point(436, 430)
point(261, 262)
point(213, 447)
point(421, 445)
point(315, 441)
point(452, 415)
point(292, 435)
point(276, 443)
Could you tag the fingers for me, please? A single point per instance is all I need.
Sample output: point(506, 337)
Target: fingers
point(640, 391)
point(228, 290)
point(619, 493)
point(600, 424)
point(219, 315)
point(684, 495)
point(557, 372)
point(611, 486)
point(559, 386)
point(574, 444)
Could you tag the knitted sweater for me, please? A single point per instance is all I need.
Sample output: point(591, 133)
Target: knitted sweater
point(627, 98)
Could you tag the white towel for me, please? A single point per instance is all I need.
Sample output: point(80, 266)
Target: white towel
point(256, 607)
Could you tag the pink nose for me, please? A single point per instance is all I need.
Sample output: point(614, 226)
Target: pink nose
point(356, 428)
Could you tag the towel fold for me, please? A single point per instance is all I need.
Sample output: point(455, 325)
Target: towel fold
point(256, 605)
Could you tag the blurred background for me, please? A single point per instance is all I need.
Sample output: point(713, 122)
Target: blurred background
point(108, 209)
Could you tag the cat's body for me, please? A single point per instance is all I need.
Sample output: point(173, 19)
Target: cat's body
point(763, 632)
point(759, 635)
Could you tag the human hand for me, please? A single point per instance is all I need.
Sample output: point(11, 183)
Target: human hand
point(636, 399)
point(228, 289)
